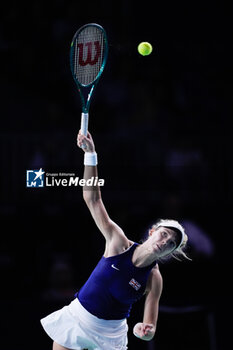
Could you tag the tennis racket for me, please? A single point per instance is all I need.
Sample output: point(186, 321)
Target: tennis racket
point(88, 56)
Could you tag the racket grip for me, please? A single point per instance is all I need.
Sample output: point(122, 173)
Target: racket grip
point(84, 123)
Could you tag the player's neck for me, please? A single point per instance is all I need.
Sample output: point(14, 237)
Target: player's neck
point(143, 256)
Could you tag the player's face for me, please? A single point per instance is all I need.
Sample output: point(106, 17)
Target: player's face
point(163, 241)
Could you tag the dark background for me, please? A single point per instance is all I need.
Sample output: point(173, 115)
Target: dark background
point(163, 133)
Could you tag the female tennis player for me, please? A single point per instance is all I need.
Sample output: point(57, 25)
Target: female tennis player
point(97, 318)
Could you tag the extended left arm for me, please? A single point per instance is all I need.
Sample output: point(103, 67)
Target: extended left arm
point(146, 330)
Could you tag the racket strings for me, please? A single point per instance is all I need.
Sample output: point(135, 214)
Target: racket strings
point(88, 54)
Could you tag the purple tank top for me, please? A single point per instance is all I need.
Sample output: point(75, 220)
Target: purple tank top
point(114, 285)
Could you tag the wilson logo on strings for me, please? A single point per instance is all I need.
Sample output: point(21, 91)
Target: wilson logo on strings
point(88, 48)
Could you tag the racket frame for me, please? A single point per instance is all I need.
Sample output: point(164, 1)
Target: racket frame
point(89, 88)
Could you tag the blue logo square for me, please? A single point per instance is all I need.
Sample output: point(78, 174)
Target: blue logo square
point(35, 178)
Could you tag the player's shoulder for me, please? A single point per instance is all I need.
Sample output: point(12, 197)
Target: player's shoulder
point(156, 280)
point(155, 283)
point(155, 273)
point(118, 245)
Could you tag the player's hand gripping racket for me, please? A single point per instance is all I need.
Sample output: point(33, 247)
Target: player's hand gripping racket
point(88, 56)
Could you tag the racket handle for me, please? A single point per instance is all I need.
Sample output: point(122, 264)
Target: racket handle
point(84, 123)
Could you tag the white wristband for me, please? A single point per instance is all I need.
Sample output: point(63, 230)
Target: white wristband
point(90, 158)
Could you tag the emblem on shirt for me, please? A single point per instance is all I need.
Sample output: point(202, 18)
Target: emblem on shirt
point(114, 267)
point(135, 284)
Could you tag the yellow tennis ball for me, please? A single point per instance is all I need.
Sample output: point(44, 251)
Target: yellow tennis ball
point(145, 48)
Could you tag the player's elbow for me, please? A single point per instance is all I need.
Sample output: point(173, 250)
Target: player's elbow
point(86, 196)
point(90, 196)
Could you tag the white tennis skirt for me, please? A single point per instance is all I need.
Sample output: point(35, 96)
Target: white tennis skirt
point(75, 328)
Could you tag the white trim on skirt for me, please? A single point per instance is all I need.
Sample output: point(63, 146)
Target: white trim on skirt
point(75, 328)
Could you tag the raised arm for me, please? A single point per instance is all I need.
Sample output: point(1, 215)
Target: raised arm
point(146, 330)
point(92, 196)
